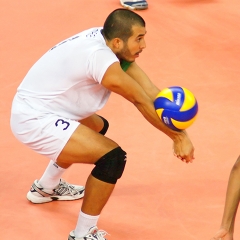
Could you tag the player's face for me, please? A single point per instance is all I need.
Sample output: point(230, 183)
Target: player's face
point(134, 45)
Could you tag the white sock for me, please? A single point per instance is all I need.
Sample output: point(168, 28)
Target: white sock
point(51, 177)
point(84, 223)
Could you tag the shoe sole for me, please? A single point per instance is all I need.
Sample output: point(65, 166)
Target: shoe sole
point(133, 8)
point(35, 199)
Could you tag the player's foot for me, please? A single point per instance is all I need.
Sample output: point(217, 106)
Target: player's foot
point(134, 4)
point(93, 234)
point(64, 191)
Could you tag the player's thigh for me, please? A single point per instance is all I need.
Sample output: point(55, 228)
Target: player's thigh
point(46, 134)
point(94, 122)
point(85, 146)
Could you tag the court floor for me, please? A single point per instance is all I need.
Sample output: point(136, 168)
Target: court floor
point(190, 43)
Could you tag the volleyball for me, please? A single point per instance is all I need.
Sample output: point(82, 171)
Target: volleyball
point(177, 107)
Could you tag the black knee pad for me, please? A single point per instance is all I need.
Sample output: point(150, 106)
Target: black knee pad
point(105, 126)
point(109, 168)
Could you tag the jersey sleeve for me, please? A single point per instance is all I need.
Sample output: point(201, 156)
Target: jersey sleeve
point(99, 62)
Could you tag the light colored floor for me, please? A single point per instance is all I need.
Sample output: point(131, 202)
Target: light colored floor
point(190, 43)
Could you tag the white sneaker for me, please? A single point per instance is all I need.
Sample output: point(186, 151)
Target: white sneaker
point(134, 4)
point(93, 234)
point(64, 191)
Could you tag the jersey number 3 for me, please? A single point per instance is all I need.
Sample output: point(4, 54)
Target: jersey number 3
point(62, 123)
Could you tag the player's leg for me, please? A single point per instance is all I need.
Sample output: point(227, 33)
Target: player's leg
point(51, 135)
point(88, 146)
point(226, 230)
point(96, 123)
point(53, 173)
point(43, 134)
point(96, 196)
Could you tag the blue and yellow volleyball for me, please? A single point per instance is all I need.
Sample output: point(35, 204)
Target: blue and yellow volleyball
point(177, 107)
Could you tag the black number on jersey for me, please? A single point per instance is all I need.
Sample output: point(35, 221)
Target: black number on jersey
point(62, 123)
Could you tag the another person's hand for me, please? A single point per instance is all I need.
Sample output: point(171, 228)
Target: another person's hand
point(222, 234)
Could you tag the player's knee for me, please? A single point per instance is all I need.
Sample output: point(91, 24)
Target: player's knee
point(105, 125)
point(109, 168)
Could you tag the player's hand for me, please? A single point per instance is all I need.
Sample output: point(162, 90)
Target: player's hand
point(222, 234)
point(183, 147)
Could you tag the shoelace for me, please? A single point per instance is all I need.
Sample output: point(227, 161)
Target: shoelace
point(100, 234)
point(65, 187)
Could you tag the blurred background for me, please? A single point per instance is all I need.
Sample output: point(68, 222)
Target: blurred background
point(190, 43)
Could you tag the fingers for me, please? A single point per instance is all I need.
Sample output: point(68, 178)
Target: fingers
point(186, 159)
point(183, 149)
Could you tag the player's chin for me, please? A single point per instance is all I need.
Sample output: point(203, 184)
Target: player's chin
point(133, 57)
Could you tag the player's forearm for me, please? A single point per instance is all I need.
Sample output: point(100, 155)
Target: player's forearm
point(232, 198)
point(148, 111)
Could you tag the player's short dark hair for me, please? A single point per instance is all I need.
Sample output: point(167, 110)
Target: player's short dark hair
point(119, 24)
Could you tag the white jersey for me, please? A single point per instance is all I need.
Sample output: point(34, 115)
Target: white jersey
point(67, 79)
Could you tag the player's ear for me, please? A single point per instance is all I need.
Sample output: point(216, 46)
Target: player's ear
point(117, 43)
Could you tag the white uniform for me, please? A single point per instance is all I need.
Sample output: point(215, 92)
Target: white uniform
point(62, 87)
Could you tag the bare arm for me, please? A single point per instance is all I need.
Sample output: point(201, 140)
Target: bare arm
point(231, 204)
point(143, 80)
point(123, 84)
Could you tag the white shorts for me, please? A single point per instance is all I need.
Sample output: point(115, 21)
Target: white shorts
point(45, 133)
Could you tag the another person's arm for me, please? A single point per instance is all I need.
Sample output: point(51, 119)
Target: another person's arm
point(231, 205)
